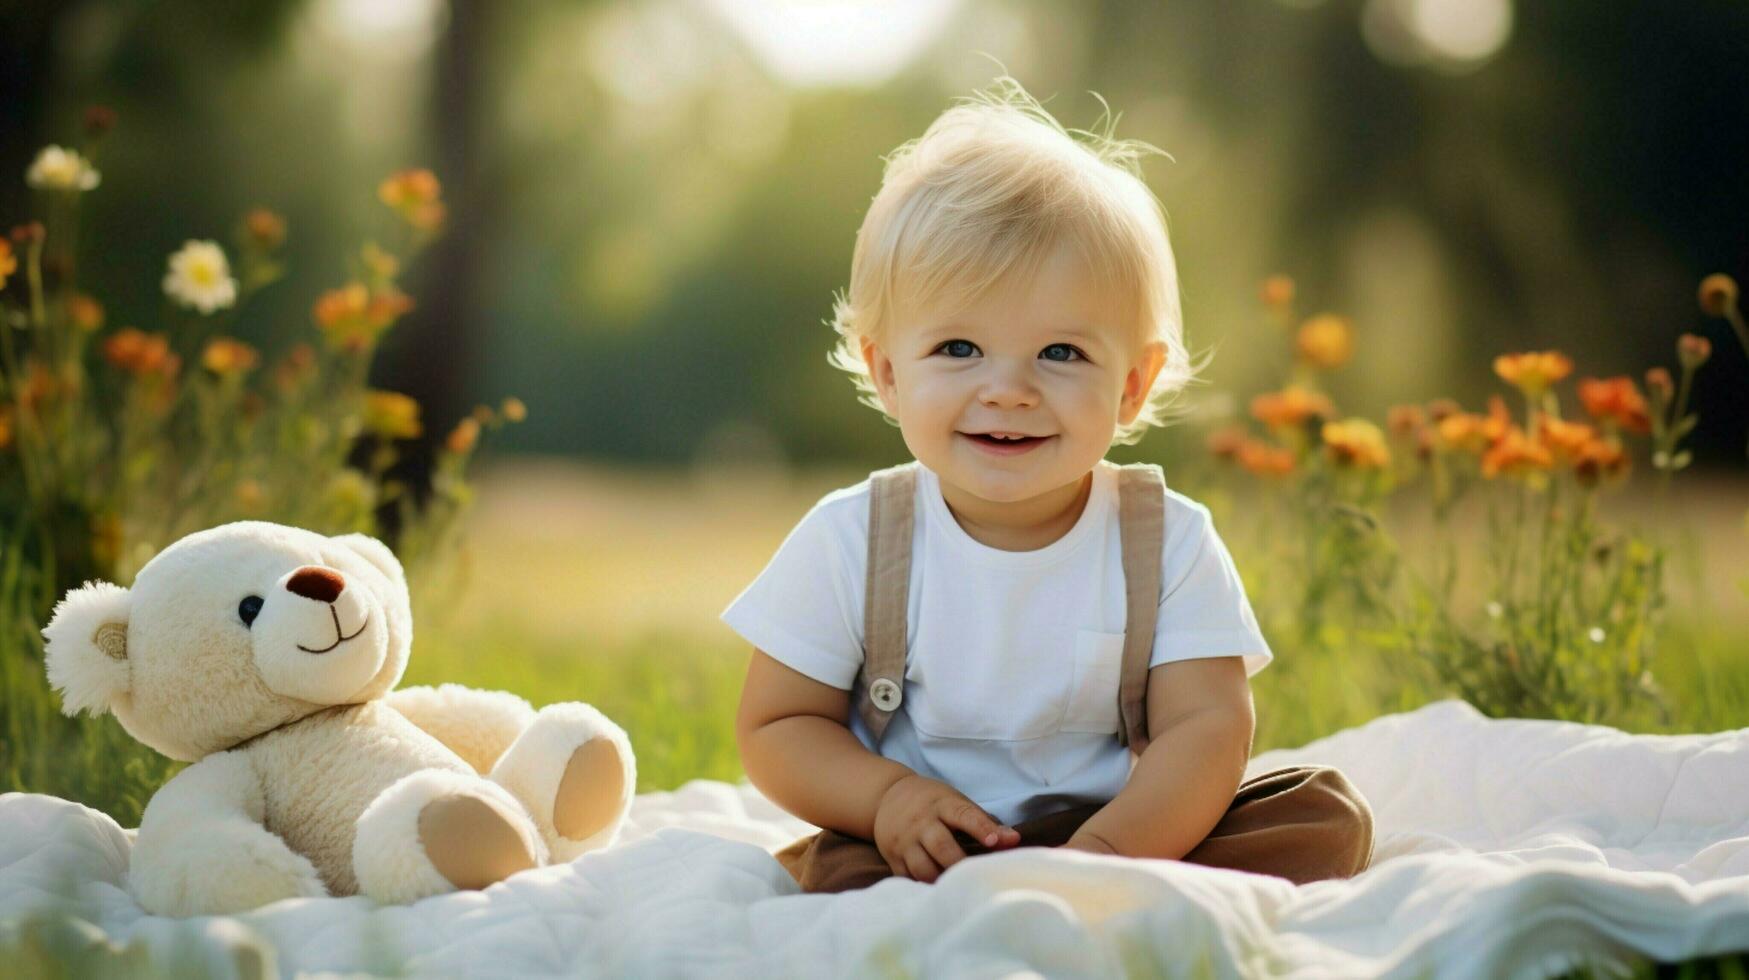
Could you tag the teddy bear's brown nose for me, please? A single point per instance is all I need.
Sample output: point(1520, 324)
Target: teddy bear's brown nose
point(315, 582)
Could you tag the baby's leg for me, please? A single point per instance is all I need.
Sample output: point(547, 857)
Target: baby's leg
point(833, 862)
point(1302, 823)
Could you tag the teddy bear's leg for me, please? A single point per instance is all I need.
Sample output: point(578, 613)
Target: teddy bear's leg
point(433, 832)
point(476, 725)
point(574, 770)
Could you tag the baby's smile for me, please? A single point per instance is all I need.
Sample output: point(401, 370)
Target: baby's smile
point(1005, 443)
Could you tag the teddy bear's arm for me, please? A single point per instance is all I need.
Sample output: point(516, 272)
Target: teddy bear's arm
point(202, 848)
point(476, 725)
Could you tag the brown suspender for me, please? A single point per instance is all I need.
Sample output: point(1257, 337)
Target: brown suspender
point(1141, 531)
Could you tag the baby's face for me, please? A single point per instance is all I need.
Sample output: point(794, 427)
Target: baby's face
point(1044, 361)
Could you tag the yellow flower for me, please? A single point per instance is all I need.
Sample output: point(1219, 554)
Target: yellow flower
point(1515, 453)
point(514, 410)
point(226, 356)
point(8, 262)
point(1290, 407)
point(1534, 371)
point(391, 415)
point(85, 313)
point(1325, 341)
point(57, 169)
point(1356, 442)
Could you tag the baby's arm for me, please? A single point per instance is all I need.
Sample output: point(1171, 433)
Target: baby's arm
point(1200, 723)
point(797, 748)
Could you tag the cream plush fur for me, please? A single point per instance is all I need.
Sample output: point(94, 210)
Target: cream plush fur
point(267, 656)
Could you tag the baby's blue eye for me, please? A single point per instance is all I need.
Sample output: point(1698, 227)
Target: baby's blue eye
point(958, 348)
point(1061, 352)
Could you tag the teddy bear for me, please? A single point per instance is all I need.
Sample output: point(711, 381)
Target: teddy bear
point(266, 656)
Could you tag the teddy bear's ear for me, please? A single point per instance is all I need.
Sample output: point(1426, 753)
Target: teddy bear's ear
point(377, 554)
point(87, 650)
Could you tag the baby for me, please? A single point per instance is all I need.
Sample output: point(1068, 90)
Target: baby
point(1012, 641)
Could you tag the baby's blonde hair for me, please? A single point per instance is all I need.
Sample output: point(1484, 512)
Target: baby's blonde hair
point(990, 190)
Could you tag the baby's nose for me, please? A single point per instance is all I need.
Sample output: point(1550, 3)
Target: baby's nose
point(316, 582)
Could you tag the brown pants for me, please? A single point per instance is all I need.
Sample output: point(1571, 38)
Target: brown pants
point(1302, 823)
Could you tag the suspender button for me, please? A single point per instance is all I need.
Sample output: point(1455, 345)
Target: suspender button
point(885, 693)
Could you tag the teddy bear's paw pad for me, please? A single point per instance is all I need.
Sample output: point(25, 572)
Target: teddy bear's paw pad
point(591, 791)
point(472, 842)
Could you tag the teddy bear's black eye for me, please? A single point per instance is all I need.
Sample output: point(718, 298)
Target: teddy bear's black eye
point(249, 608)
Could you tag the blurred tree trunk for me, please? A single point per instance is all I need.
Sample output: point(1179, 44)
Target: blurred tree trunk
point(431, 362)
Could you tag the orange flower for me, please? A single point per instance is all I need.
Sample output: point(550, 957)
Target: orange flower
point(1224, 443)
point(352, 317)
point(1357, 443)
point(84, 313)
point(1475, 433)
point(1290, 407)
point(391, 415)
point(266, 230)
point(226, 356)
point(5, 426)
point(463, 437)
point(249, 495)
point(1567, 439)
point(297, 365)
point(1262, 459)
point(414, 194)
point(1405, 420)
point(1514, 454)
point(8, 262)
point(1600, 459)
point(1718, 294)
point(1277, 292)
point(1325, 341)
point(514, 410)
point(1533, 372)
point(137, 352)
point(1615, 400)
point(1440, 408)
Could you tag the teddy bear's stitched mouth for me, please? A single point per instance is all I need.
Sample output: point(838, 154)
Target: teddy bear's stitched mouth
point(339, 634)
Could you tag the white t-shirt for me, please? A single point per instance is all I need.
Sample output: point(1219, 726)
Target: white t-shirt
point(1010, 691)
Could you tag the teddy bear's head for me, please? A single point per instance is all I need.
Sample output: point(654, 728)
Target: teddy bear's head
point(232, 632)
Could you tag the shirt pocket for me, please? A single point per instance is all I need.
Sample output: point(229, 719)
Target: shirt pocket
point(1093, 689)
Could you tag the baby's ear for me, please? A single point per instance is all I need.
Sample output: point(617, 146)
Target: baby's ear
point(87, 651)
point(377, 554)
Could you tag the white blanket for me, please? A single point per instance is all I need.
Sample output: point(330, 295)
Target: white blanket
point(1503, 848)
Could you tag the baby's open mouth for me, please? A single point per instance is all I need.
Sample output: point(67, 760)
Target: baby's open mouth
point(1011, 441)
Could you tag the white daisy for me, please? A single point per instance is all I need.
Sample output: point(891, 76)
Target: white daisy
point(57, 169)
point(200, 277)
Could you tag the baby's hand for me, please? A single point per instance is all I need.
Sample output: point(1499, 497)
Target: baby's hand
point(915, 822)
